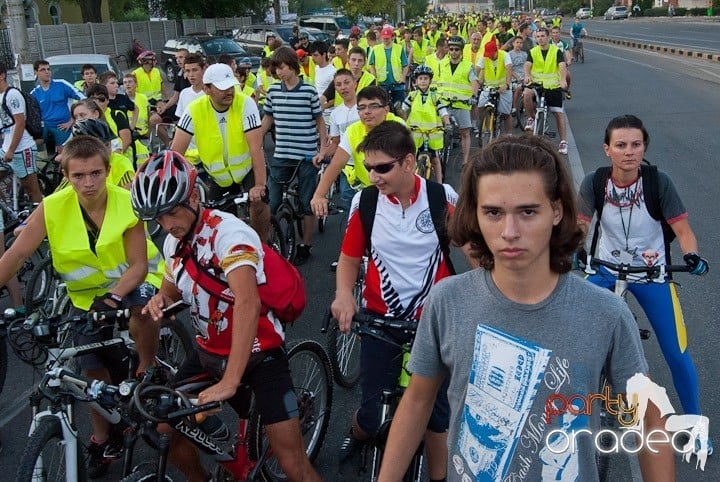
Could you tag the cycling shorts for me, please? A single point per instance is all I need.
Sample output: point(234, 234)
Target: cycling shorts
point(462, 117)
point(505, 103)
point(554, 99)
point(267, 376)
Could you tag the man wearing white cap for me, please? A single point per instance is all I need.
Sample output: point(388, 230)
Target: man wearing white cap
point(225, 126)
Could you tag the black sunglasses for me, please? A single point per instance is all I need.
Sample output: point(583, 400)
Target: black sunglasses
point(99, 98)
point(383, 168)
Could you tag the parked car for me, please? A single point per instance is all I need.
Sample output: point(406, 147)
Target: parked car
point(253, 38)
point(327, 23)
point(618, 11)
point(206, 45)
point(583, 13)
point(68, 67)
point(549, 13)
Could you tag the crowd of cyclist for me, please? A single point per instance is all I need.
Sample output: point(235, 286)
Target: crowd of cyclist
point(364, 107)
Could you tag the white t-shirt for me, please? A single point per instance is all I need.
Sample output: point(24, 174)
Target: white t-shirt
point(186, 96)
point(342, 116)
point(323, 77)
point(16, 105)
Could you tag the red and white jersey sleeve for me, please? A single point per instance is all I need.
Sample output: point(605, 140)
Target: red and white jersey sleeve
point(405, 260)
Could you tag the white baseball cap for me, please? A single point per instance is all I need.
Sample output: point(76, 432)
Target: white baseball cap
point(221, 76)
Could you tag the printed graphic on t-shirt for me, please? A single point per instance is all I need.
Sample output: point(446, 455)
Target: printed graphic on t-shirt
point(503, 383)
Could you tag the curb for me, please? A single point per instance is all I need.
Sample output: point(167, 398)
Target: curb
point(715, 57)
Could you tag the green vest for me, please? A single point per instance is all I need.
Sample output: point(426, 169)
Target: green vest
point(150, 83)
point(545, 70)
point(356, 132)
point(85, 273)
point(381, 62)
point(455, 84)
point(425, 116)
point(495, 75)
point(209, 140)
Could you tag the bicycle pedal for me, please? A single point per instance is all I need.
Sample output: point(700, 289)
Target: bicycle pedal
point(645, 334)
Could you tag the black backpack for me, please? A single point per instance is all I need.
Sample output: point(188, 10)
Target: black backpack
point(33, 116)
point(438, 213)
point(651, 193)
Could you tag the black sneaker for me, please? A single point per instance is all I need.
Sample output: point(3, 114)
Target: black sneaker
point(350, 446)
point(302, 254)
point(100, 455)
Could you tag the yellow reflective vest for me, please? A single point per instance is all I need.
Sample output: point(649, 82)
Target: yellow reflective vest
point(142, 124)
point(545, 70)
point(419, 51)
point(471, 56)
point(495, 75)
point(381, 62)
point(85, 273)
point(210, 143)
point(149, 83)
point(455, 84)
point(356, 132)
point(425, 116)
point(141, 150)
point(434, 63)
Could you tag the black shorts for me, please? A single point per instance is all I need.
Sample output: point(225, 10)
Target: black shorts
point(267, 376)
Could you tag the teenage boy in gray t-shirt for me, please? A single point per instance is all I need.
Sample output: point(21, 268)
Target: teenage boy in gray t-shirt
point(523, 341)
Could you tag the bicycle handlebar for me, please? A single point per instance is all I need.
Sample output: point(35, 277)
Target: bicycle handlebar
point(377, 326)
point(624, 269)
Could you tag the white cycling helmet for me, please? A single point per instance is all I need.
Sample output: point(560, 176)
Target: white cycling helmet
point(166, 180)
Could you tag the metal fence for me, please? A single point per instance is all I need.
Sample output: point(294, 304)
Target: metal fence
point(115, 38)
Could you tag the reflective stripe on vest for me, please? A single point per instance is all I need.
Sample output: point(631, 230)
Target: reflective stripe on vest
point(545, 70)
point(495, 75)
point(209, 141)
point(455, 84)
point(356, 132)
point(425, 116)
point(88, 274)
point(381, 62)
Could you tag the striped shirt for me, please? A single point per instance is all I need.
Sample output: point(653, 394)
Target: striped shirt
point(294, 112)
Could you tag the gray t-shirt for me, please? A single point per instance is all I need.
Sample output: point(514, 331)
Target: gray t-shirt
point(507, 360)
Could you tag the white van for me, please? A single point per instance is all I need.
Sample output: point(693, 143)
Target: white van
point(327, 23)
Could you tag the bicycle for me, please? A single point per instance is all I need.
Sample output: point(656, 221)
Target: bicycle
point(578, 51)
point(424, 154)
point(344, 348)
point(395, 107)
point(377, 327)
point(330, 195)
point(492, 122)
point(54, 428)
point(622, 271)
point(249, 457)
point(289, 215)
point(518, 104)
point(540, 128)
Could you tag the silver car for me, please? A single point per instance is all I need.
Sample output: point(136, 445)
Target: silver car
point(619, 11)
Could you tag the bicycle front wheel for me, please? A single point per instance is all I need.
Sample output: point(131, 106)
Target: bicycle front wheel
point(277, 238)
point(488, 129)
point(40, 287)
point(286, 225)
point(540, 121)
point(174, 345)
point(344, 351)
point(145, 473)
point(44, 455)
point(3, 361)
point(312, 378)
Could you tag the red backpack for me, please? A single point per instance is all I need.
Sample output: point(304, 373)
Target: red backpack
point(283, 292)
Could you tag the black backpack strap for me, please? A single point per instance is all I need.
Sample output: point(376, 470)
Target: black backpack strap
point(367, 207)
point(651, 194)
point(602, 174)
point(439, 213)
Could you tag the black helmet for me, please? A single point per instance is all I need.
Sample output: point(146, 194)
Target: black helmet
point(93, 127)
point(456, 41)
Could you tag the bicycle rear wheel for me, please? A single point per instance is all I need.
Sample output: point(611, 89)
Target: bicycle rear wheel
point(40, 287)
point(581, 54)
point(44, 454)
point(174, 345)
point(3, 361)
point(312, 378)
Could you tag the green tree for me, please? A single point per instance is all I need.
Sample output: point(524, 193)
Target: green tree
point(365, 7)
point(179, 9)
point(90, 9)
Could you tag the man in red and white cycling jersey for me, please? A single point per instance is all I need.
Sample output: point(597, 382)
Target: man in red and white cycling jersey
point(235, 341)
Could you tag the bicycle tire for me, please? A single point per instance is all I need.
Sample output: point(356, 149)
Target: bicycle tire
point(414, 472)
point(487, 130)
point(277, 241)
point(174, 345)
point(582, 54)
point(144, 473)
point(48, 434)
point(344, 352)
point(286, 226)
point(424, 165)
point(39, 288)
point(311, 372)
point(539, 127)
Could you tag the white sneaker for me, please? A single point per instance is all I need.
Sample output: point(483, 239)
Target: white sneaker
point(563, 149)
point(530, 124)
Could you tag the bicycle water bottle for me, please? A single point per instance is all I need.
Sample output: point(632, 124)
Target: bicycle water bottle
point(214, 426)
point(404, 380)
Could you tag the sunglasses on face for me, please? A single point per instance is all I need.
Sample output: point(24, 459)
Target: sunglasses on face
point(99, 98)
point(454, 49)
point(383, 168)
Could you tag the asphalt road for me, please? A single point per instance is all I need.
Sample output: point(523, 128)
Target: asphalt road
point(678, 101)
